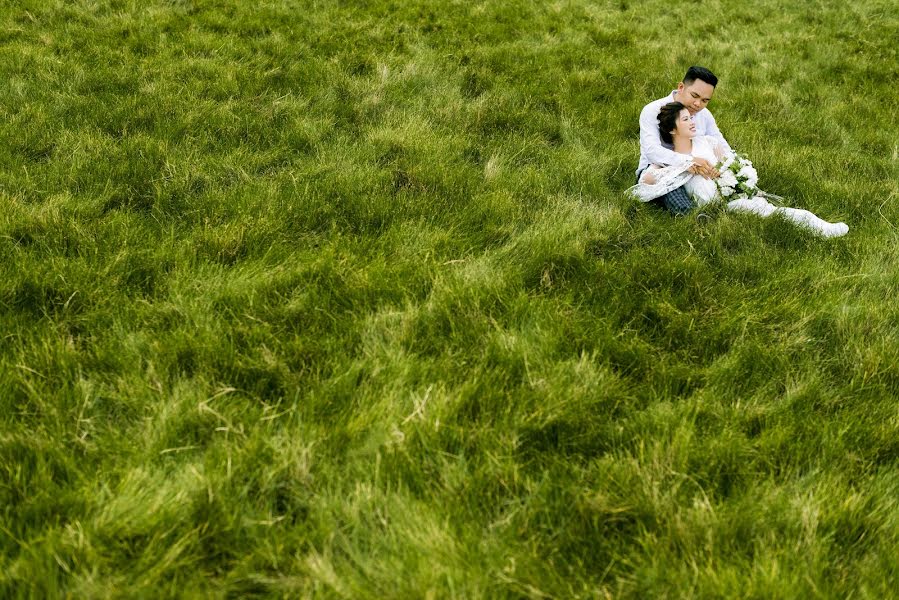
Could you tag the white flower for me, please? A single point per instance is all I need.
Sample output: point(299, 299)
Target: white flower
point(748, 175)
point(727, 179)
point(747, 172)
point(738, 178)
point(753, 178)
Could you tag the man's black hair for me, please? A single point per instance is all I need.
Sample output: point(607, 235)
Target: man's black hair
point(701, 73)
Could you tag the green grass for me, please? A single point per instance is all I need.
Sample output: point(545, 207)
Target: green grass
point(325, 299)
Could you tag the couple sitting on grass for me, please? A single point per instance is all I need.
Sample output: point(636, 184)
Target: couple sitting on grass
point(685, 162)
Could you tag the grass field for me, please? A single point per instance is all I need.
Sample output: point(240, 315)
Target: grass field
point(345, 299)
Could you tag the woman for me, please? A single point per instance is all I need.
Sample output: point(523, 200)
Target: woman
point(676, 127)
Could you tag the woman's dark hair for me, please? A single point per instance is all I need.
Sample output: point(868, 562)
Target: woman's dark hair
point(668, 120)
point(701, 73)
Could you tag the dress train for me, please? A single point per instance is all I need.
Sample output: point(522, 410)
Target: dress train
point(803, 218)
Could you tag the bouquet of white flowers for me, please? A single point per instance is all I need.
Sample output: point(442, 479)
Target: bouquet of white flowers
point(738, 177)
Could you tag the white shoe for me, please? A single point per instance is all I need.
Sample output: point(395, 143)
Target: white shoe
point(835, 230)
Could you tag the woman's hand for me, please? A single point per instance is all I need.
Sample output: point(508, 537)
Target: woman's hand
point(703, 167)
point(719, 151)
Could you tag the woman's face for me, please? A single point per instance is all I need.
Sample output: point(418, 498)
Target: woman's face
point(684, 126)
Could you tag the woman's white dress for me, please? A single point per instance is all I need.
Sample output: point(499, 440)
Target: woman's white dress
point(703, 191)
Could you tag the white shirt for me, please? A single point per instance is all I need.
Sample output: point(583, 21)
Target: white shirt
point(653, 151)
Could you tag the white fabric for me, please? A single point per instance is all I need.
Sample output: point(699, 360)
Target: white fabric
point(803, 218)
point(674, 176)
point(653, 151)
point(704, 191)
point(665, 179)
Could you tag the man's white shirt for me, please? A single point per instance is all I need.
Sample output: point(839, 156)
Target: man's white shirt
point(653, 151)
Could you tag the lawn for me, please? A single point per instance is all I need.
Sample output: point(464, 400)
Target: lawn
point(345, 299)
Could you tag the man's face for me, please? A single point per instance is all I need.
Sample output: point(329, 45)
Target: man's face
point(694, 96)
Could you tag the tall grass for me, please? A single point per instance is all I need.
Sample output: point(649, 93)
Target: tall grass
point(345, 300)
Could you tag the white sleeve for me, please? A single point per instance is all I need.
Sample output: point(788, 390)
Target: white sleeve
point(717, 147)
point(651, 143)
point(715, 133)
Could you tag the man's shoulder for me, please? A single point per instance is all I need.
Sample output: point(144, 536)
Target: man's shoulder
point(655, 105)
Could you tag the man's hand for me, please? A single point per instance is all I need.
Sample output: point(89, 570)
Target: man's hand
point(703, 167)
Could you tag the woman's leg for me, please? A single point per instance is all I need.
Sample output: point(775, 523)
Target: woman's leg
point(701, 190)
point(814, 222)
point(798, 216)
point(756, 206)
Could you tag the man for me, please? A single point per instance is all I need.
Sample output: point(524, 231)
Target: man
point(694, 92)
